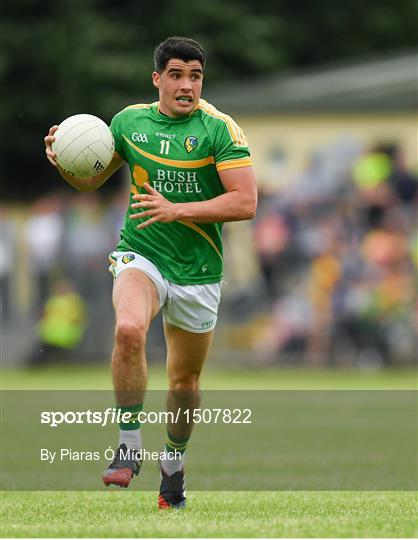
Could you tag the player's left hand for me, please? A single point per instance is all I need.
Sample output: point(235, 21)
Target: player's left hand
point(158, 208)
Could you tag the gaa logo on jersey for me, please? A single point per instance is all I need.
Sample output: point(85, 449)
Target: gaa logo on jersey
point(190, 143)
point(128, 258)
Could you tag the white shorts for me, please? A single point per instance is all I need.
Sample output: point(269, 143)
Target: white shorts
point(191, 307)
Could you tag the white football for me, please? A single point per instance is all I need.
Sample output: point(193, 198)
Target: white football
point(84, 145)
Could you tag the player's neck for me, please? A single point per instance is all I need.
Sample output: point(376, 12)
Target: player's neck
point(162, 110)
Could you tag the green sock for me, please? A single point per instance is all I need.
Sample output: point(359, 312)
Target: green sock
point(175, 448)
point(130, 416)
point(173, 443)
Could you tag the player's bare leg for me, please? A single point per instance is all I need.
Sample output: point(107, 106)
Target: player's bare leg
point(135, 300)
point(186, 354)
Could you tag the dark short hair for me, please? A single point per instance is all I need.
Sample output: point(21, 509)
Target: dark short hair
point(178, 47)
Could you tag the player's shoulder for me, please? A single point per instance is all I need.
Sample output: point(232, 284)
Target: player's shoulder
point(211, 113)
point(213, 117)
point(137, 109)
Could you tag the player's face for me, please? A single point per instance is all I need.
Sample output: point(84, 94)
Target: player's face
point(180, 86)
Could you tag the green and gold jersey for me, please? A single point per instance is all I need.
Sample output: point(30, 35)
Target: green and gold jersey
point(180, 158)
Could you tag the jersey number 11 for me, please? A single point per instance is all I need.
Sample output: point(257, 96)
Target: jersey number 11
point(164, 147)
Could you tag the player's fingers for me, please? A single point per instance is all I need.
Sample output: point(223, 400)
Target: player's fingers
point(136, 216)
point(50, 153)
point(52, 160)
point(142, 214)
point(144, 204)
point(48, 140)
point(147, 223)
point(144, 197)
point(150, 189)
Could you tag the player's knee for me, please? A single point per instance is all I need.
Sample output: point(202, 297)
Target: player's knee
point(185, 383)
point(130, 334)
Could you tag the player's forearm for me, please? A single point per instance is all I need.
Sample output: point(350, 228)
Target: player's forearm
point(231, 206)
point(89, 183)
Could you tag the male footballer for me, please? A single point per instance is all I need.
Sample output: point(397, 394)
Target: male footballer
point(191, 171)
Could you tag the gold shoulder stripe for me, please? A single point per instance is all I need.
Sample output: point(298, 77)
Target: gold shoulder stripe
point(200, 231)
point(191, 164)
point(236, 133)
point(212, 111)
point(234, 164)
point(138, 106)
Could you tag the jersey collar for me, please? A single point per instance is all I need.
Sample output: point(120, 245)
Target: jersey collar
point(169, 119)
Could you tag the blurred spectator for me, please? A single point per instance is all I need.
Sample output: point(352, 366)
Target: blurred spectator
point(7, 262)
point(271, 236)
point(325, 272)
point(405, 184)
point(371, 175)
point(87, 243)
point(287, 331)
point(114, 216)
point(61, 326)
point(43, 234)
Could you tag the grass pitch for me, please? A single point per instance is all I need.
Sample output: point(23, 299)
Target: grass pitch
point(214, 378)
point(211, 514)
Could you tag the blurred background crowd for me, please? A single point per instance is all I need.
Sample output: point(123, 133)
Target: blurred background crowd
point(337, 253)
point(325, 274)
point(335, 256)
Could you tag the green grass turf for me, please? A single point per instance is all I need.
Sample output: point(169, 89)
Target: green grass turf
point(216, 514)
point(211, 514)
point(99, 378)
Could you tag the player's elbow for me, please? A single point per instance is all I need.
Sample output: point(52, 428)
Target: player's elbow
point(91, 183)
point(250, 208)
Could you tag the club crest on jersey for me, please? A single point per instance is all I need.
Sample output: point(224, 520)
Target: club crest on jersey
point(128, 258)
point(190, 143)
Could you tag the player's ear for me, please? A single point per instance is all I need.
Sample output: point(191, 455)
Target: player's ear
point(156, 79)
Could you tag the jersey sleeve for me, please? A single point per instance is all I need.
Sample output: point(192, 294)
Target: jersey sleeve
point(115, 128)
point(231, 146)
